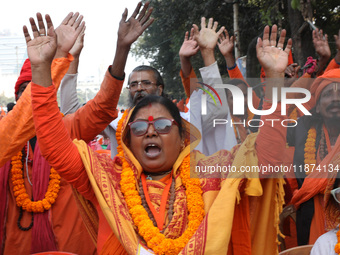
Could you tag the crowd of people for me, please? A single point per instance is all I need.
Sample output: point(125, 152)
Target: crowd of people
point(89, 179)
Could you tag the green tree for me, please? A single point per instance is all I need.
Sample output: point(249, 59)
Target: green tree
point(162, 41)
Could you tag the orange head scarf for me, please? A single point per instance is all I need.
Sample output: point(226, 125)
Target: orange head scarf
point(322, 81)
point(25, 75)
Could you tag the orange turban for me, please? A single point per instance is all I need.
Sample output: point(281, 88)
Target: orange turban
point(25, 75)
point(322, 81)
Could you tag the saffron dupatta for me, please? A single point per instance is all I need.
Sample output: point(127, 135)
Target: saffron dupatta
point(220, 198)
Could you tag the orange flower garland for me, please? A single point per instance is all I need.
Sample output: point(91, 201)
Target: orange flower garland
point(310, 151)
point(20, 193)
point(337, 246)
point(156, 240)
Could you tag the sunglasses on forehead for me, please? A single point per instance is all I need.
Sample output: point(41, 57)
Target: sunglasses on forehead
point(162, 126)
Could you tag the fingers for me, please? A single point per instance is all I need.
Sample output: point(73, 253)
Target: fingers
point(134, 14)
point(42, 30)
point(273, 36)
point(210, 23)
point(34, 28)
point(78, 20)
point(67, 18)
point(220, 31)
point(288, 46)
point(195, 31)
point(265, 36)
point(186, 36)
point(148, 23)
point(215, 25)
point(142, 13)
point(73, 19)
point(26, 34)
point(281, 39)
point(191, 33)
point(124, 15)
point(147, 16)
point(259, 46)
point(48, 21)
point(203, 25)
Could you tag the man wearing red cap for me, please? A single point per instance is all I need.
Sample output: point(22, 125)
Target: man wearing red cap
point(23, 80)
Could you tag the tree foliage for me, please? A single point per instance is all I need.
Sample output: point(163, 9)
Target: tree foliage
point(162, 41)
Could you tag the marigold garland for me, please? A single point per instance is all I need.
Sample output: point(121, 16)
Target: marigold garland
point(20, 193)
point(156, 240)
point(310, 151)
point(337, 246)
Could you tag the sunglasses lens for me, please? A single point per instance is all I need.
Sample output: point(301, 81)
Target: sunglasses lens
point(163, 126)
point(139, 127)
point(336, 194)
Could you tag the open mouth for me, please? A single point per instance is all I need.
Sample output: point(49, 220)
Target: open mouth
point(152, 150)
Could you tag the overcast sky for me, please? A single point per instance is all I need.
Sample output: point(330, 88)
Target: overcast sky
point(101, 18)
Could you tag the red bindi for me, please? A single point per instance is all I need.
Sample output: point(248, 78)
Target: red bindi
point(150, 118)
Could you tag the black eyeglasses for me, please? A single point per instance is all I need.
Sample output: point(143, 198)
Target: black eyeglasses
point(162, 126)
point(145, 84)
point(336, 194)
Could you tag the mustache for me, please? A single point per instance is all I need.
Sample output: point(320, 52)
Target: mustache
point(333, 104)
point(137, 94)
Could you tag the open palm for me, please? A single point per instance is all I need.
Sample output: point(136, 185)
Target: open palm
point(271, 56)
point(41, 48)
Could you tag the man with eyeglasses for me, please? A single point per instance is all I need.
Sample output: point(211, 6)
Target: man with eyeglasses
point(144, 80)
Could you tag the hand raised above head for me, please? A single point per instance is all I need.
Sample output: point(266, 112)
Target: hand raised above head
point(226, 43)
point(321, 46)
point(67, 33)
point(270, 54)
point(129, 30)
point(42, 47)
point(189, 46)
point(79, 44)
point(207, 37)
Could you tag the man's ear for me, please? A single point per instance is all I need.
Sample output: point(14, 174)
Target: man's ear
point(160, 89)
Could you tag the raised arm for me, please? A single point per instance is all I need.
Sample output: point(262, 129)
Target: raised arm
point(90, 120)
point(188, 49)
point(68, 88)
point(335, 62)
point(20, 120)
point(321, 46)
point(271, 141)
point(207, 39)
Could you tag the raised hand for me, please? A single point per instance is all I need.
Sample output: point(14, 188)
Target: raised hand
point(42, 47)
point(189, 46)
point(270, 54)
point(207, 37)
point(79, 44)
point(226, 43)
point(321, 44)
point(67, 33)
point(129, 30)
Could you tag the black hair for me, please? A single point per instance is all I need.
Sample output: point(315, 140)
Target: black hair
point(167, 103)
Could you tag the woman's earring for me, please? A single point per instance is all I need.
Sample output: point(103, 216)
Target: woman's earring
point(182, 146)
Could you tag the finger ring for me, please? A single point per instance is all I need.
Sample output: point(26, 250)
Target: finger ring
point(272, 46)
point(279, 48)
point(42, 34)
